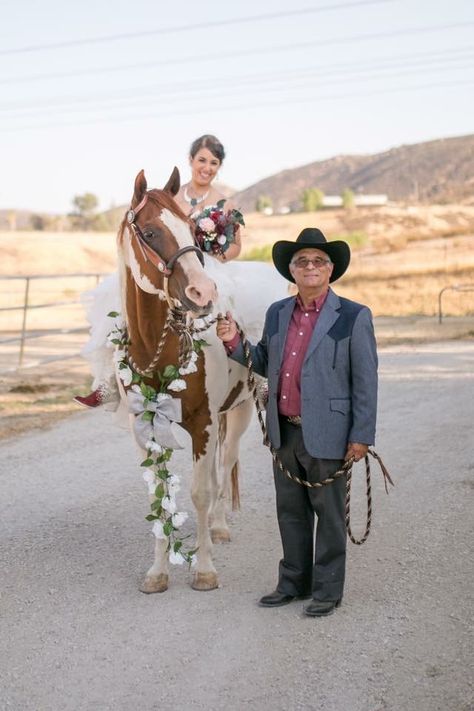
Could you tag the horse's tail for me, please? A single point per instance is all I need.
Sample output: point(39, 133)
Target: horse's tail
point(234, 474)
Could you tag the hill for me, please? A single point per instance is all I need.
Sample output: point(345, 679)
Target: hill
point(440, 171)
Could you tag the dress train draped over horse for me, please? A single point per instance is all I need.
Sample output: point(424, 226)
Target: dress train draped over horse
point(245, 288)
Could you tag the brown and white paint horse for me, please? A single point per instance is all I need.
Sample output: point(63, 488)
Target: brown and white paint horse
point(164, 264)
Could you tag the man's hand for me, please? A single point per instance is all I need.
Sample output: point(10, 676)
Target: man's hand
point(358, 451)
point(226, 327)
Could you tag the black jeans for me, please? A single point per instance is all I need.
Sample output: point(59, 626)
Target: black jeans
point(310, 566)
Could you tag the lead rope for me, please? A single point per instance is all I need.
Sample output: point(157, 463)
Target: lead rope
point(346, 468)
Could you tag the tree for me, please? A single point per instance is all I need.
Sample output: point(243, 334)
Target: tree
point(347, 198)
point(37, 222)
point(312, 199)
point(84, 216)
point(263, 202)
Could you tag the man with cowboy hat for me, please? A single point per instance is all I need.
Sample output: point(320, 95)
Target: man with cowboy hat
point(318, 352)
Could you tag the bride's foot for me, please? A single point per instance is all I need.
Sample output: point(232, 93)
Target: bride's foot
point(106, 394)
point(94, 399)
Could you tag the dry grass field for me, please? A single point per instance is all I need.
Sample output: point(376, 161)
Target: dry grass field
point(401, 258)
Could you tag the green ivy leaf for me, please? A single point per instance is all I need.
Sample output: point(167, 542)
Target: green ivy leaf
point(135, 378)
point(147, 391)
point(147, 462)
point(148, 416)
point(151, 517)
point(168, 528)
point(199, 344)
point(155, 505)
point(113, 314)
point(170, 372)
point(177, 545)
point(159, 491)
point(220, 203)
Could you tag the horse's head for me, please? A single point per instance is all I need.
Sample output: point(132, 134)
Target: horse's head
point(159, 248)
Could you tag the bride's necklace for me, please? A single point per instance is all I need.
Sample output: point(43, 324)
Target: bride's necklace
point(194, 201)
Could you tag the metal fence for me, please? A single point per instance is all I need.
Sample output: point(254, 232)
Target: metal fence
point(453, 287)
point(26, 306)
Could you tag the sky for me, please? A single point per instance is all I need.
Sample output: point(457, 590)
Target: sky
point(92, 92)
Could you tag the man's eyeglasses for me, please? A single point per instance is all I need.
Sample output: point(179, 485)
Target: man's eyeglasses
point(303, 262)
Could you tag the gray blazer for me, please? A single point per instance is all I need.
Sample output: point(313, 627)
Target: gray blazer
point(338, 378)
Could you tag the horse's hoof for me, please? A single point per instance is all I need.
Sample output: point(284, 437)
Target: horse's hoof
point(154, 584)
point(220, 535)
point(205, 581)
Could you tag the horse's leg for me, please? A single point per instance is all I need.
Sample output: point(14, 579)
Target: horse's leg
point(237, 421)
point(203, 494)
point(156, 578)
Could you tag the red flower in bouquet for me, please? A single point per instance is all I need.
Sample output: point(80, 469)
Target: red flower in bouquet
point(216, 227)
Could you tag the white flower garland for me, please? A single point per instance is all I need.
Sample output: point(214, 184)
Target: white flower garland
point(162, 485)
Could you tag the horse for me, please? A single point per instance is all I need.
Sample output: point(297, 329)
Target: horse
point(161, 268)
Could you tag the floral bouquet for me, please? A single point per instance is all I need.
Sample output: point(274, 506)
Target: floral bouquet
point(216, 228)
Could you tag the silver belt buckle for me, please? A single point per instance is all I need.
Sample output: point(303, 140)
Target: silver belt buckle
point(294, 420)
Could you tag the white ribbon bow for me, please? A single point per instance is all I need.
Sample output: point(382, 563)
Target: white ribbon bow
point(163, 428)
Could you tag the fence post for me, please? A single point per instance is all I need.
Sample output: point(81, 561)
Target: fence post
point(23, 325)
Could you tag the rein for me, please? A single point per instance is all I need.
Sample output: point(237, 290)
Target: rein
point(177, 321)
point(345, 470)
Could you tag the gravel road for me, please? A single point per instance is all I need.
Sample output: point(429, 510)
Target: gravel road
point(75, 633)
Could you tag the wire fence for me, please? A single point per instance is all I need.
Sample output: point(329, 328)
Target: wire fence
point(21, 290)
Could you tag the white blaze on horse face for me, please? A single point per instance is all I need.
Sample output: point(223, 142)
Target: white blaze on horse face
point(131, 261)
point(200, 289)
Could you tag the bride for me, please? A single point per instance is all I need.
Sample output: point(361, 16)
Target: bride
point(245, 288)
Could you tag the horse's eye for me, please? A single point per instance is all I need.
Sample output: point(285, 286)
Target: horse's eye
point(148, 235)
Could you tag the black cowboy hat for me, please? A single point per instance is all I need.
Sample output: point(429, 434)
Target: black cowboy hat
point(338, 251)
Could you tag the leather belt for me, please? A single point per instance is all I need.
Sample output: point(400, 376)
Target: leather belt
point(294, 420)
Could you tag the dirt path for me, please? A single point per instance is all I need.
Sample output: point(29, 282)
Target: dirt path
point(75, 633)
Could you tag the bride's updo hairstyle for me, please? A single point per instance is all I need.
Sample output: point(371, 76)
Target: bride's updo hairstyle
point(211, 143)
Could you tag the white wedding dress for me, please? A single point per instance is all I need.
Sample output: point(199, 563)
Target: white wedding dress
point(246, 289)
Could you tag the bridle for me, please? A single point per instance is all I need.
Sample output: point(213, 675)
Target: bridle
point(149, 254)
point(177, 316)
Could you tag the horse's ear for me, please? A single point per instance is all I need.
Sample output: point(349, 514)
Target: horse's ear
point(140, 188)
point(172, 186)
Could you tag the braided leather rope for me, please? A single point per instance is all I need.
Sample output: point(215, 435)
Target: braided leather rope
point(345, 470)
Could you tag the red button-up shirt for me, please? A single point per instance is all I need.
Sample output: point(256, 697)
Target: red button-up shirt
point(300, 330)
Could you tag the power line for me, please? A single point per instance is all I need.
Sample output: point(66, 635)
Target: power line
point(192, 27)
point(238, 53)
point(153, 65)
point(243, 85)
point(240, 107)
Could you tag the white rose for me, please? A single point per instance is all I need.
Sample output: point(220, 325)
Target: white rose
point(177, 385)
point(176, 558)
point(126, 375)
point(150, 479)
point(173, 484)
point(190, 368)
point(163, 396)
point(169, 504)
point(178, 518)
point(118, 355)
point(154, 446)
point(158, 530)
